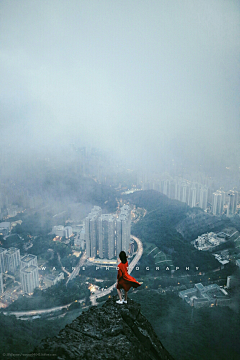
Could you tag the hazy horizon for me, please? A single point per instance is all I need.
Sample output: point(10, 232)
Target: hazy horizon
point(151, 81)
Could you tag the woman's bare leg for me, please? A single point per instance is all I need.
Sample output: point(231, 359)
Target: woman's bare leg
point(125, 294)
point(119, 294)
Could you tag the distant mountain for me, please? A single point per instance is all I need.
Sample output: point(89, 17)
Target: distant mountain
point(113, 332)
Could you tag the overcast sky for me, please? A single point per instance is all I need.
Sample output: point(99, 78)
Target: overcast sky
point(156, 77)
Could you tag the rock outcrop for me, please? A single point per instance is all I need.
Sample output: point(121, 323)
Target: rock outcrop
point(111, 331)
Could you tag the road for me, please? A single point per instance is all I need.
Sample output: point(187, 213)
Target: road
point(45, 311)
point(63, 268)
point(77, 268)
point(63, 212)
point(93, 297)
point(131, 266)
point(39, 312)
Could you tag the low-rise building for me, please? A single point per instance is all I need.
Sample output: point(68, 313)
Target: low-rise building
point(105, 263)
point(12, 211)
point(220, 259)
point(61, 231)
point(51, 280)
point(29, 278)
point(58, 230)
point(5, 228)
point(201, 296)
point(207, 241)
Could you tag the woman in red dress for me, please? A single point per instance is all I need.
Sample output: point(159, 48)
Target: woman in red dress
point(125, 281)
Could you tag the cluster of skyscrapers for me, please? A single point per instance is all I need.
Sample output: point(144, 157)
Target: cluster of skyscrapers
point(106, 235)
point(195, 194)
point(225, 201)
point(191, 193)
point(10, 261)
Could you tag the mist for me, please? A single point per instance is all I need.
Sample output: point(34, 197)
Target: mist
point(150, 82)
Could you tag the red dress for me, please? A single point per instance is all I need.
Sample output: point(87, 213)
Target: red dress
point(125, 281)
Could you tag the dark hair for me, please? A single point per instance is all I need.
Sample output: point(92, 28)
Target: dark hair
point(123, 257)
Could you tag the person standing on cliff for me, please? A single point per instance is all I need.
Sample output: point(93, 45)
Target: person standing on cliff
point(124, 280)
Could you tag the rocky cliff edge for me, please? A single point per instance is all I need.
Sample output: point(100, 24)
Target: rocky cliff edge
point(111, 332)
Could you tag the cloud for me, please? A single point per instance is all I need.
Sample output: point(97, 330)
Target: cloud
point(121, 75)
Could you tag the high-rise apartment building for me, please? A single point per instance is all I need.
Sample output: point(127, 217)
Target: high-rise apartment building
point(1, 283)
point(193, 197)
point(198, 190)
point(175, 182)
point(91, 231)
point(91, 235)
point(184, 193)
point(233, 194)
point(156, 185)
point(106, 238)
point(217, 203)
point(12, 259)
point(166, 187)
point(236, 194)
point(231, 202)
point(179, 190)
point(118, 235)
point(2, 259)
point(29, 278)
point(203, 197)
point(28, 260)
point(123, 230)
point(221, 198)
point(172, 189)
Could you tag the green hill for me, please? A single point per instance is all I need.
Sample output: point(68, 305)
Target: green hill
point(159, 227)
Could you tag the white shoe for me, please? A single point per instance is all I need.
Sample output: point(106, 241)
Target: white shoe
point(119, 302)
point(125, 301)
